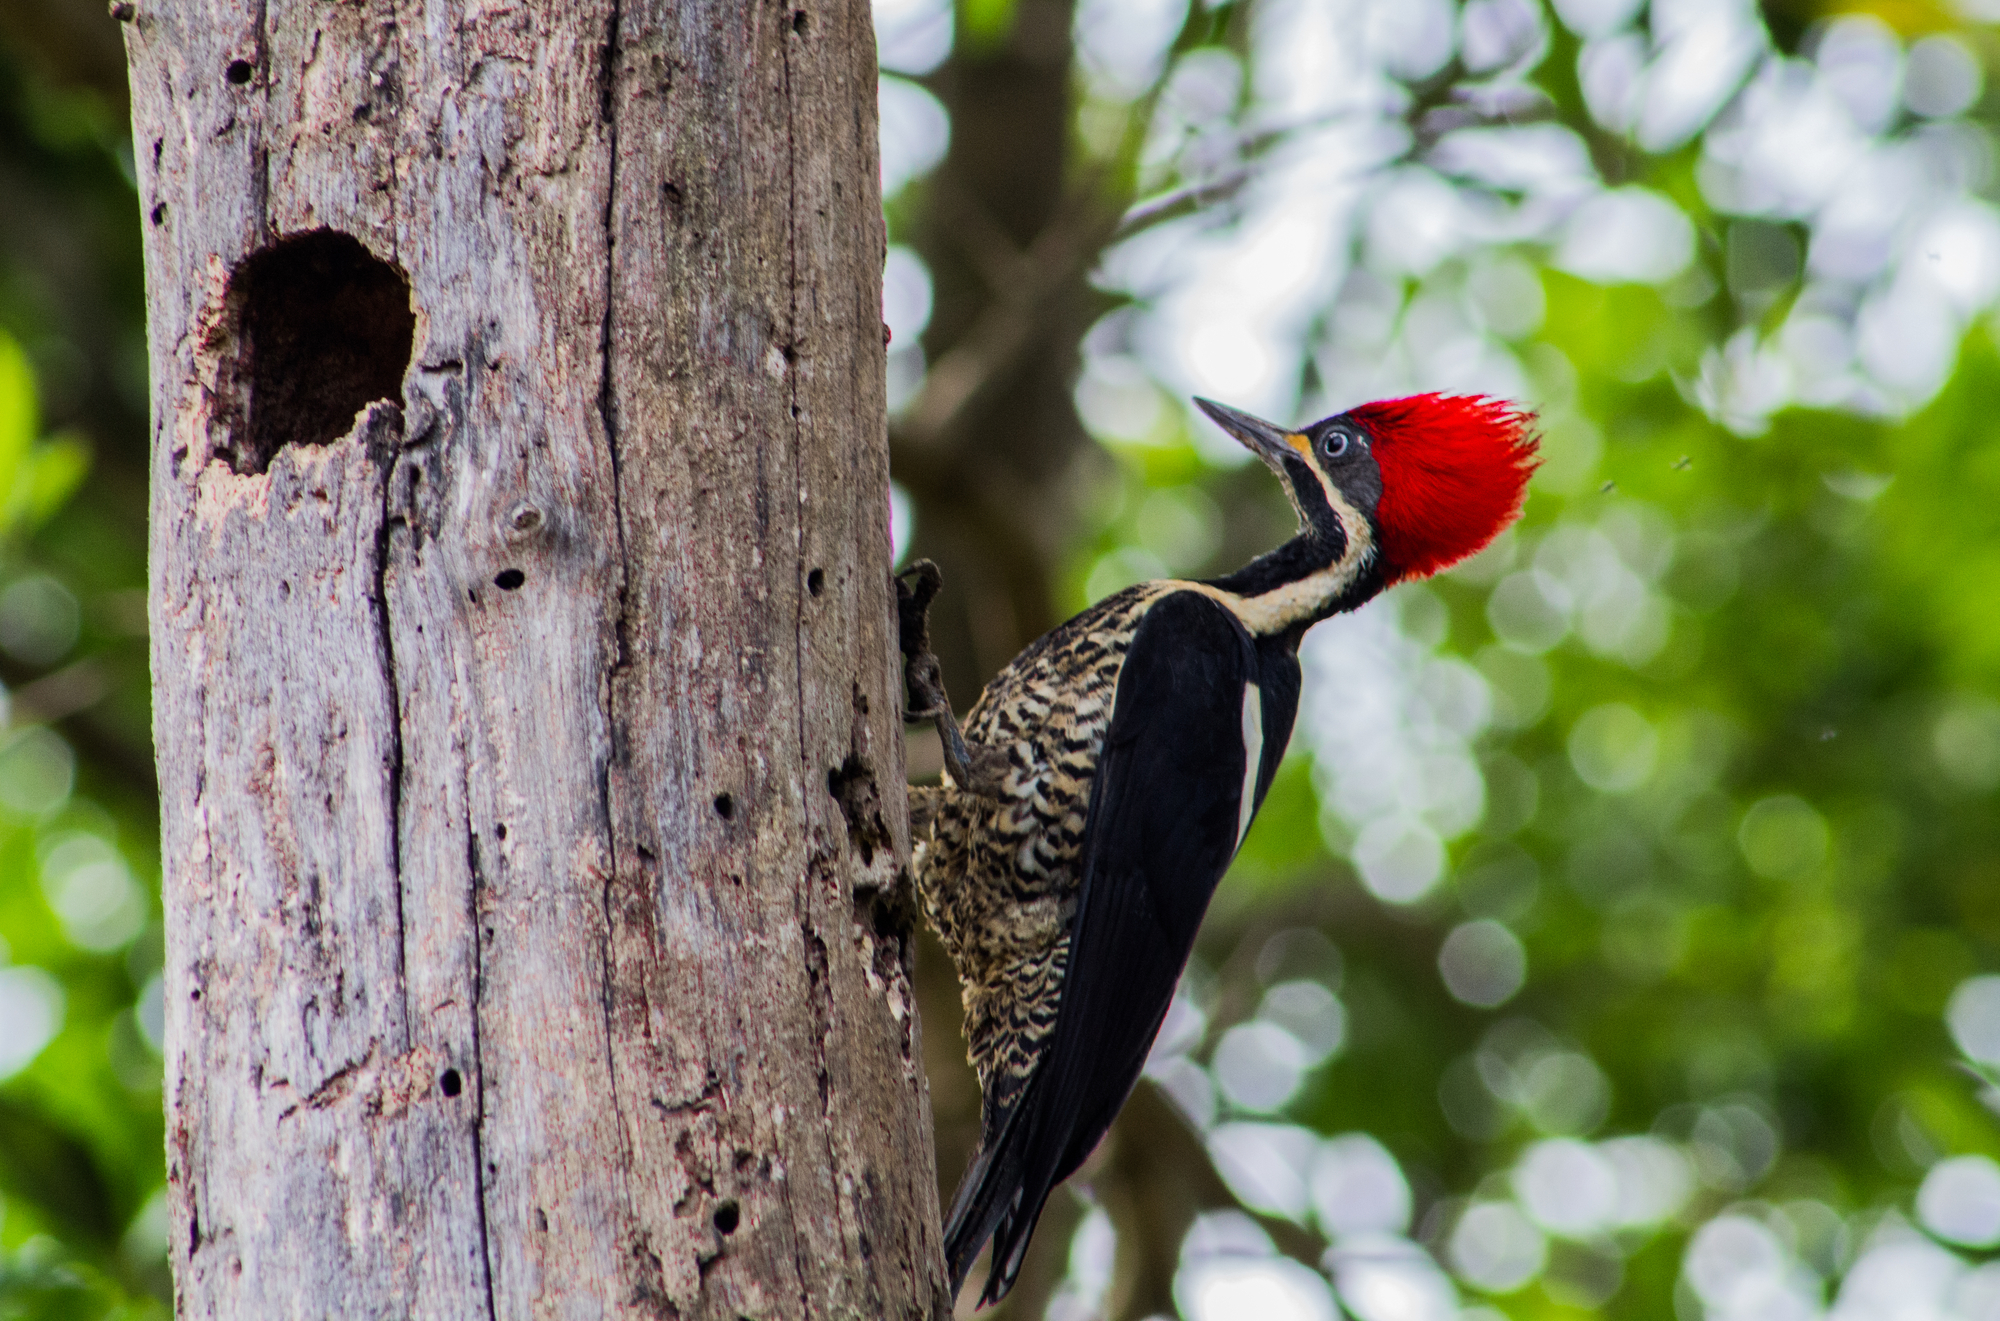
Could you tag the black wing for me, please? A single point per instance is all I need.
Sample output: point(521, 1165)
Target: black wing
point(1162, 828)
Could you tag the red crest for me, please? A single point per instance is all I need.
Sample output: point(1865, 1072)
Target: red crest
point(1455, 472)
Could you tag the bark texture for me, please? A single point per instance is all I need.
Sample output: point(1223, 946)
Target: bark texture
point(526, 685)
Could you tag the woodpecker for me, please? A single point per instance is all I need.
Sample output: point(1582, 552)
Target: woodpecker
point(1107, 776)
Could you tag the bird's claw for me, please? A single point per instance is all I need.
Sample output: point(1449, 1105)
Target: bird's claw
point(971, 766)
point(916, 587)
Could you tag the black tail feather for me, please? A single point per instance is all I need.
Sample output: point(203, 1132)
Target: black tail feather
point(1000, 1198)
point(1010, 1243)
point(989, 1189)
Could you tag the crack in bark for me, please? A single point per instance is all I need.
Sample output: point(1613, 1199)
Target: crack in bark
point(261, 176)
point(607, 408)
point(336, 1086)
point(384, 534)
point(711, 1095)
point(791, 355)
point(478, 883)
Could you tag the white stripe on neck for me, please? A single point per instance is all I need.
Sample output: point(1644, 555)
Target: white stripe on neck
point(1290, 603)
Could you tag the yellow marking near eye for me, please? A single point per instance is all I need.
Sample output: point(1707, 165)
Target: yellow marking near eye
point(1298, 442)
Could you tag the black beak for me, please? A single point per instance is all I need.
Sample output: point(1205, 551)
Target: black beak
point(1268, 442)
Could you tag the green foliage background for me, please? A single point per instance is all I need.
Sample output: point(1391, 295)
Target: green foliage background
point(82, 1229)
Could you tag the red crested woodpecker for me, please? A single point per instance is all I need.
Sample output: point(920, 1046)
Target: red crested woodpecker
point(1107, 776)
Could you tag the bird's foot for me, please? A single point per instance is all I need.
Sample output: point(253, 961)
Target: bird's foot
point(916, 587)
point(972, 767)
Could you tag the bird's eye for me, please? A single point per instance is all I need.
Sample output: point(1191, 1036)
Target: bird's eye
point(1333, 444)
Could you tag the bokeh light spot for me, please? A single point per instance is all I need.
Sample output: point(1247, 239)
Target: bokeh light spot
point(1358, 1188)
point(1942, 77)
point(1627, 235)
point(912, 36)
point(1383, 1277)
point(1311, 1013)
point(1229, 1270)
point(1959, 1201)
point(31, 1010)
point(39, 620)
point(1265, 1165)
point(915, 132)
point(1567, 1187)
point(1782, 837)
point(1400, 861)
point(1966, 742)
point(902, 522)
point(93, 892)
point(37, 772)
point(1655, 1179)
point(906, 295)
point(1482, 963)
point(1974, 1018)
point(1529, 611)
point(1259, 1066)
point(1737, 1265)
point(1119, 400)
point(1496, 1248)
point(1613, 748)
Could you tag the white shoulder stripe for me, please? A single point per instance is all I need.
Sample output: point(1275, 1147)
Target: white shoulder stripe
point(1253, 757)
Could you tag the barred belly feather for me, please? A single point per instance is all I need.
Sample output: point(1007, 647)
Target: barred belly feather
point(999, 876)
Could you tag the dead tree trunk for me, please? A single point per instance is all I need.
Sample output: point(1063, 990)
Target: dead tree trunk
point(532, 944)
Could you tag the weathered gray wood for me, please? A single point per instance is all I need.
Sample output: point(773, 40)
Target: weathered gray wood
point(533, 948)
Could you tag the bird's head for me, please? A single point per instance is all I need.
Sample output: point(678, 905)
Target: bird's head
point(1435, 477)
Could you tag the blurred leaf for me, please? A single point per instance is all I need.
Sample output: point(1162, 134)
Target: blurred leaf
point(50, 1170)
point(985, 24)
point(18, 417)
point(35, 478)
point(54, 471)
